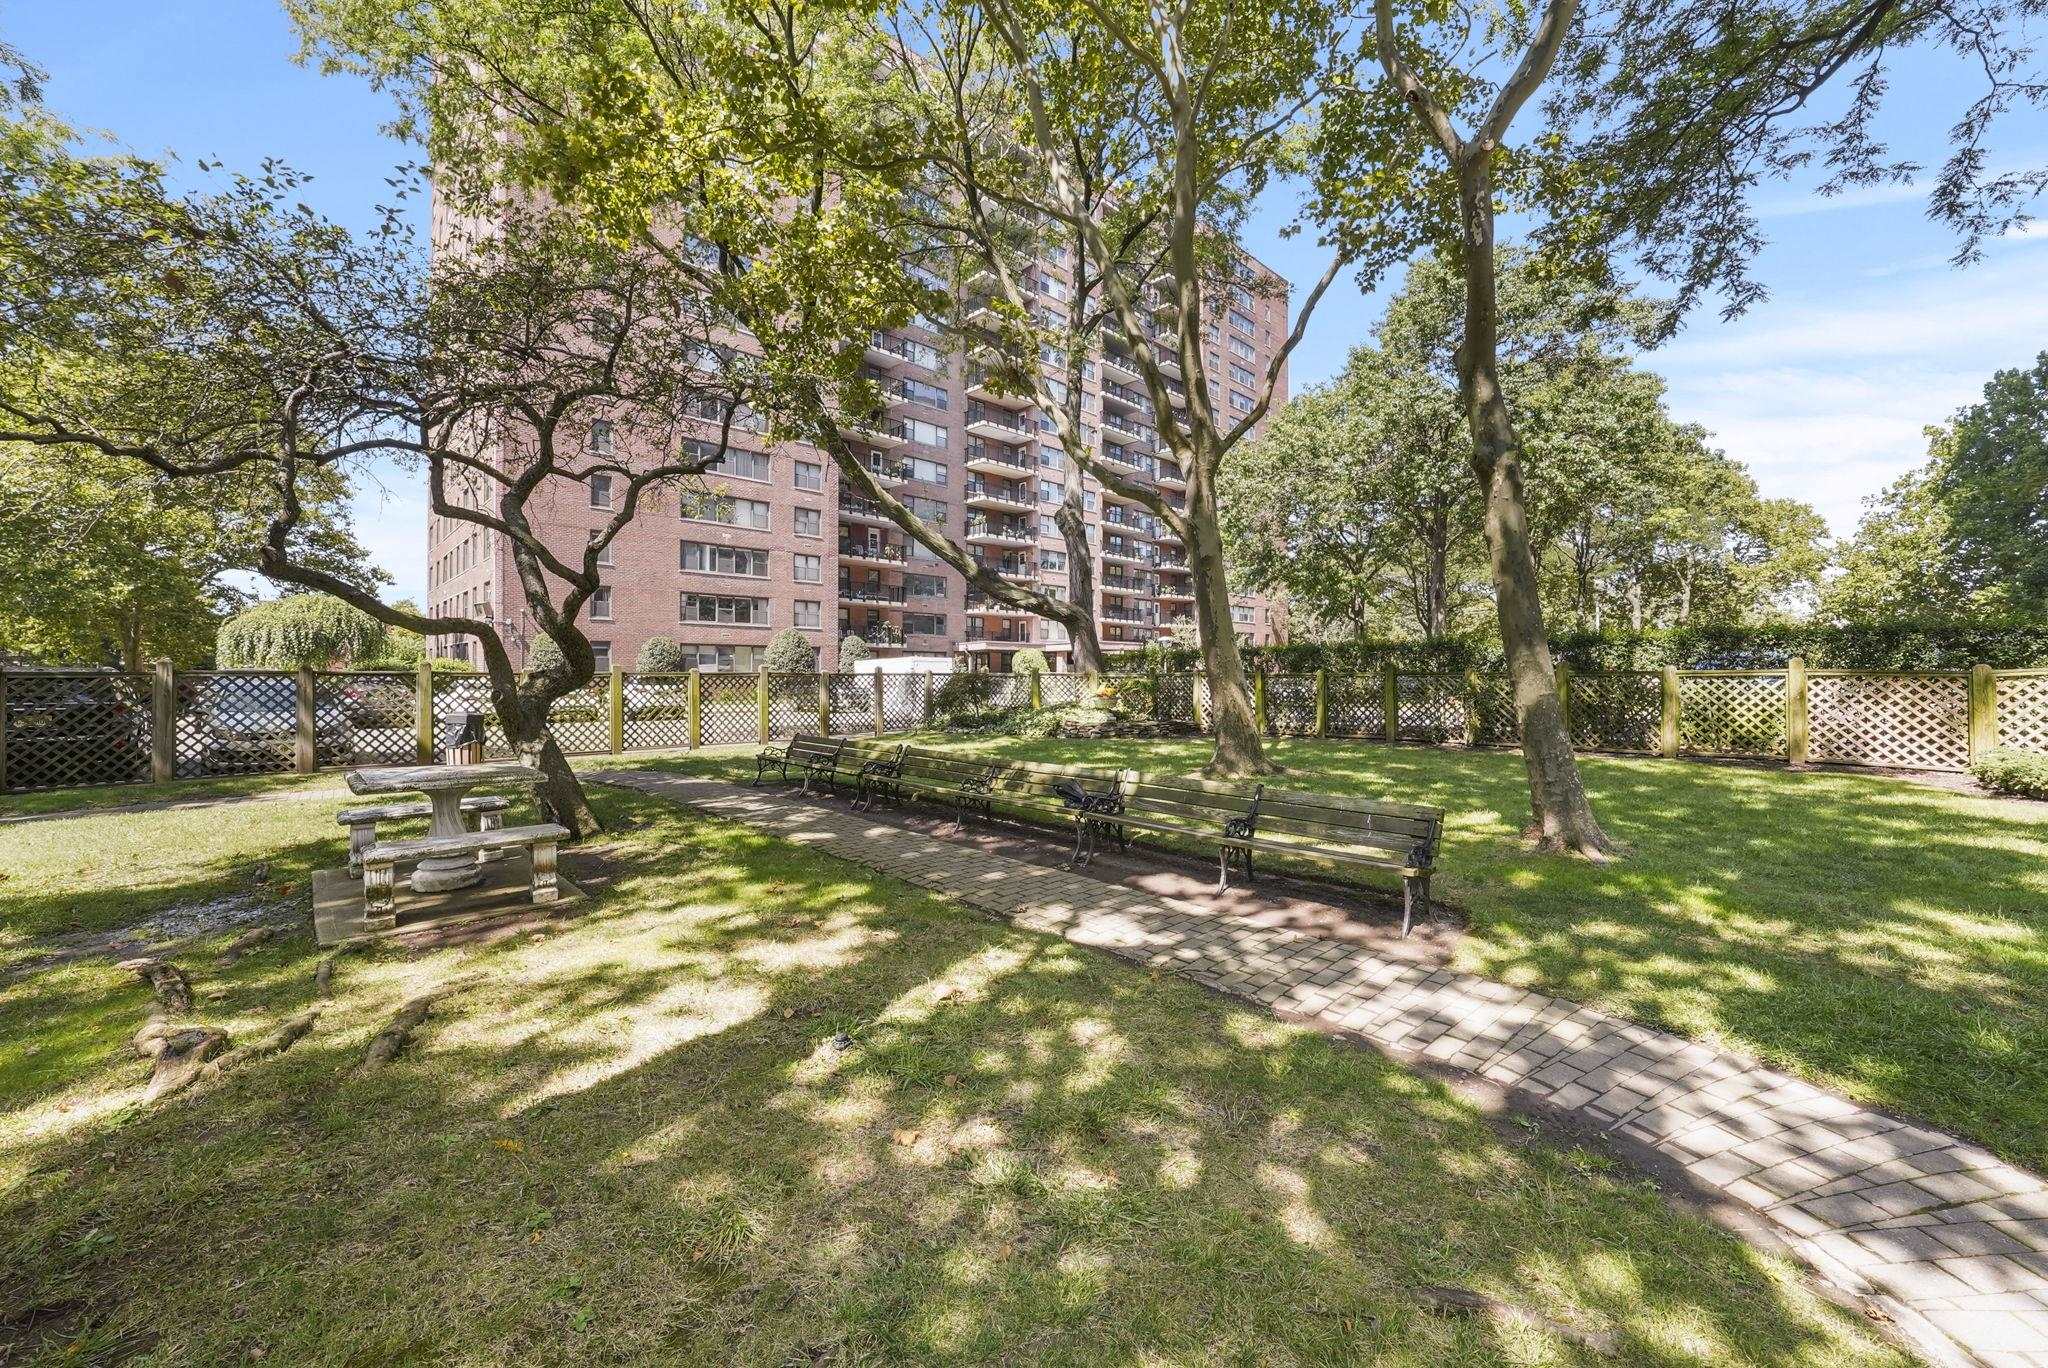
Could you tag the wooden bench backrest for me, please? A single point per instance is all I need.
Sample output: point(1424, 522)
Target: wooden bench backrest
point(806, 745)
point(1030, 782)
point(1282, 811)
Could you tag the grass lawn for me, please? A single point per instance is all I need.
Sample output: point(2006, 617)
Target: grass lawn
point(760, 1106)
point(1880, 937)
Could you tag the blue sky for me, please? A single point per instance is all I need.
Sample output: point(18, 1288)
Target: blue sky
point(1823, 391)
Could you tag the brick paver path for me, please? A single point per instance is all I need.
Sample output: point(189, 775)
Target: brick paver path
point(1948, 1239)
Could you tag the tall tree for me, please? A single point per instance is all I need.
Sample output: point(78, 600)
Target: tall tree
point(1993, 486)
point(258, 340)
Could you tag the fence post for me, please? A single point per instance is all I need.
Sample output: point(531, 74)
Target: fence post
point(1667, 716)
point(881, 711)
point(924, 715)
point(1796, 714)
point(1390, 700)
point(1983, 710)
point(423, 715)
point(1037, 693)
point(1473, 686)
point(761, 698)
point(163, 721)
point(3, 731)
point(1201, 714)
point(615, 695)
point(304, 753)
point(694, 710)
point(1259, 703)
point(824, 704)
point(1322, 703)
point(1564, 695)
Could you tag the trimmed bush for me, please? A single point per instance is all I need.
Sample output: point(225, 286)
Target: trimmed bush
point(853, 650)
point(661, 655)
point(790, 653)
point(1030, 661)
point(317, 630)
point(2022, 774)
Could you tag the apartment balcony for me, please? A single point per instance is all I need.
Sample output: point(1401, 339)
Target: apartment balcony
point(1016, 569)
point(988, 532)
point(981, 638)
point(873, 634)
point(887, 473)
point(886, 433)
point(1126, 584)
point(1168, 363)
point(1125, 396)
point(886, 351)
point(1116, 366)
point(1004, 498)
point(981, 386)
point(872, 593)
point(1170, 476)
point(998, 425)
point(1131, 615)
point(998, 460)
point(853, 508)
point(1177, 594)
point(1136, 525)
point(871, 553)
point(988, 607)
point(1116, 552)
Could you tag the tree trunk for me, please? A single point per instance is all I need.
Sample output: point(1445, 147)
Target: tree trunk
point(1562, 817)
point(1635, 603)
point(524, 717)
point(1240, 751)
point(1087, 645)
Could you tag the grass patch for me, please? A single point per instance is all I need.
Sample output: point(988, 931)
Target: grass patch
point(762, 1106)
point(1884, 938)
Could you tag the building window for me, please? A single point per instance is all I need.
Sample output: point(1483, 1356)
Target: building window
point(743, 465)
point(1242, 323)
point(1047, 527)
point(809, 475)
point(601, 437)
point(730, 511)
point(931, 472)
point(725, 560)
point(720, 608)
point(809, 569)
point(809, 523)
point(720, 658)
point(809, 613)
point(924, 586)
point(600, 491)
point(1240, 376)
point(924, 624)
point(1240, 401)
point(1052, 560)
point(1052, 458)
point(601, 604)
point(1241, 348)
point(604, 553)
point(932, 511)
point(1048, 492)
point(603, 651)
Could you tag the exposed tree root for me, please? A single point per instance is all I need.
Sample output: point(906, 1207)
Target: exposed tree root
point(1461, 1301)
point(288, 1035)
point(180, 1054)
point(173, 990)
point(389, 1041)
point(247, 941)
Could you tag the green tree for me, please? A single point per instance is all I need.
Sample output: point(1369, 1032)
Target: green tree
point(1993, 487)
point(790, 652)
point(662, 655)
point(323, 349)
point(315, 630)
point(853, 649)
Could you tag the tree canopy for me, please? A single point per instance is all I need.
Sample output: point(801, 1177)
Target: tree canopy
point(316, 630)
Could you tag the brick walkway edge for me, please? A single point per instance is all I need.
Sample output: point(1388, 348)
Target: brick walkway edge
point(1944, 1237)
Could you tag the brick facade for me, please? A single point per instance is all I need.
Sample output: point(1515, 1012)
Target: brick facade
point(983, 461)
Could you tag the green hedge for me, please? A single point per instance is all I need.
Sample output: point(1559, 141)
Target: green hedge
point(2014, 644)
point(2023, 774)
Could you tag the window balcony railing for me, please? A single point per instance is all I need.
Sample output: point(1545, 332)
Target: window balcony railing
point(872, 593)
point(871, 551)
point(875, 634)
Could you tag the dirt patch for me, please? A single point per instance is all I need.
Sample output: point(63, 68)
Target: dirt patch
point(160, 931)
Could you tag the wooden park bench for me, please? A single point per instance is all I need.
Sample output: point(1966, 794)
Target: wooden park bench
point(878, 766)
point(380, 862)
point(978, 786)
point(488, 808)
point(815, 755)
point(1240, 821)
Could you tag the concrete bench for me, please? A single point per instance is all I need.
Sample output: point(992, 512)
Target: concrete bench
point(362, 821)
point(380, 863)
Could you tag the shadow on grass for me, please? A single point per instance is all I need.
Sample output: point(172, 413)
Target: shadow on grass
point(1881, 937)
point(762, 1106)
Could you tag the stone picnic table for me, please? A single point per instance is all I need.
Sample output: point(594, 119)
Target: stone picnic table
point(445, 786)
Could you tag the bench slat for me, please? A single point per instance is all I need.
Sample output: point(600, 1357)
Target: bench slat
point(426, 847)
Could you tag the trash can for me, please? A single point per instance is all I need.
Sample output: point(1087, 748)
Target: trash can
point(462, 739)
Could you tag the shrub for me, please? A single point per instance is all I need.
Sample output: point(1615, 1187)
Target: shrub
point(661, 655)
point(2023, 774)
point(298, 629)
point(966, 700)
point(790, 653)
point(1030, 661)
point(853, 650)
point(543, 654)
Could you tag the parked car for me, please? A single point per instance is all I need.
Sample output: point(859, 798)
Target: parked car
point(70, 732)
point(249, 724)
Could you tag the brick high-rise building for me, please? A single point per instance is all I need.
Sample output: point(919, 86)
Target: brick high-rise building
point(786, 546)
